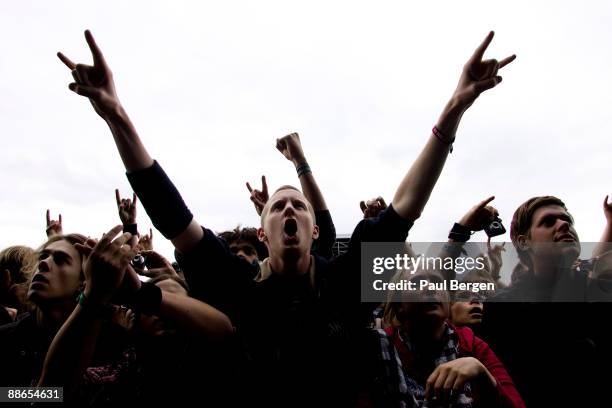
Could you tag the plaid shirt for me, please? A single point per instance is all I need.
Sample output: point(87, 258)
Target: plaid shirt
point(397, 388)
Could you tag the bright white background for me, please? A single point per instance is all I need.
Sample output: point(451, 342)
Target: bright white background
point(211, 85)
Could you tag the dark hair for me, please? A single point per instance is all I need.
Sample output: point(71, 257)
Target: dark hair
point(523, 216)
point(248, 235)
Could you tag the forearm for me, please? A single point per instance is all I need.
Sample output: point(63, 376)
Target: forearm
point(311, 191)
point(71, 351)
point(166, 207)
point(604, 243)
point(195, 317)
point(417, 185)
point(133, 153)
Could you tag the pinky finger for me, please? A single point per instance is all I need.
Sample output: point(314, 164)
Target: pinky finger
point(84, 90)
point(506, 61)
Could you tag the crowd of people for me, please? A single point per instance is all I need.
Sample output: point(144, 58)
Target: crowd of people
point(273, 315)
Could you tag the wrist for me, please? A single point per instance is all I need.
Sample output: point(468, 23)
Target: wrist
point(451, 116)
point(299, 160)
point(460, 233)
point(302, 169)
point(115, 113)
point(97, 307)
point(130, 227)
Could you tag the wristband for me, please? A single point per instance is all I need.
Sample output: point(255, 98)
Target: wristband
point(440, 136)
point(459, 233)
point(101, 310)
point(131, 228)
point(161, 200)
point(303, 168)
point(148, 299)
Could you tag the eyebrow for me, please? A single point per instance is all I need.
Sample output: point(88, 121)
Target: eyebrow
point(62, 254)
point(564, 216)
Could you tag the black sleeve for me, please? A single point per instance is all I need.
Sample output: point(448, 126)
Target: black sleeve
point(214, 274)
point(327, 234)
point(344, 278)
point(161, 200)
point(387, 227)
point(131, 228)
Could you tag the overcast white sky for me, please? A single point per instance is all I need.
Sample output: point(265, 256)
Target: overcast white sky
point(211, 85)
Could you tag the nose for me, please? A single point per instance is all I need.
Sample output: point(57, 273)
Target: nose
point(43, 264)
point(563, 225)
point(289, 210)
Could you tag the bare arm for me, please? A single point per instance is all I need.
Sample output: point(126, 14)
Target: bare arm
point(195, 317)
point(96, 83)
point(417, 185)
point(291, 147)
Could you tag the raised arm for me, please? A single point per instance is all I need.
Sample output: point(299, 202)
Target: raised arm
point(291, 147)
point(604, 243)
point(416, 187)
point(96, 83)
point(476, 219)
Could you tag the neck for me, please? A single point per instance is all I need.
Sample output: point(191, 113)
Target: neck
point(290, 265)
point(52, 317)
point(547, 274)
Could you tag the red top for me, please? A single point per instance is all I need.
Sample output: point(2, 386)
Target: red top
point(472, 346)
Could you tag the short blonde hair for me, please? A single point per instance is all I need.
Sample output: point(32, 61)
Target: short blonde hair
point(266, 209)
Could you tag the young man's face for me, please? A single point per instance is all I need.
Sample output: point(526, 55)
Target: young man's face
point(552, 234)
point(244, 250)
point(467, 309)
point(58, 277)
point(288, 224)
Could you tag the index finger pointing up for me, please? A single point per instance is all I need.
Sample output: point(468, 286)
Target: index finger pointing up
point(98, 57)
point(484, 203)
point(48, 218)
point(117, 196)
point(478, 54)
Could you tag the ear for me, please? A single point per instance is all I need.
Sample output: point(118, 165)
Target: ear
point(522, 242)
point(315, 232)
point(261, 235)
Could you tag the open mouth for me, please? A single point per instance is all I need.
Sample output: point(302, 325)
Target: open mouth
point(566, 238)
point(475, 312)
point(39, 278)
point(290, 227)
